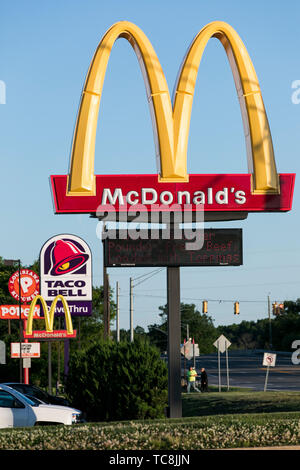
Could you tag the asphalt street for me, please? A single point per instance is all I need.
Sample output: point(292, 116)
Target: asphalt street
point(246, 370)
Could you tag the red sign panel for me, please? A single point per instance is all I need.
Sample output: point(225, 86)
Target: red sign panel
point(55, 334)
point(144, 193)
point(30, 285)
point(11, 312)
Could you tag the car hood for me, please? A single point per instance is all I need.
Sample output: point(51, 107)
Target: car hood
point(53, 407)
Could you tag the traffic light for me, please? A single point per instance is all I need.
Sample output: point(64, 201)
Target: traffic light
point(236, 308)
point(277, 309)
point(204, 306)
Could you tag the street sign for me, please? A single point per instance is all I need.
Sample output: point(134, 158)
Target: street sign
point(27, 363)
point(189, 350)
point(222, 343)
point(269, 359)
point(30, 285)
point(28, 350)
point(2, 353)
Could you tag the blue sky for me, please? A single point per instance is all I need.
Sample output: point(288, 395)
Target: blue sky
point(45, 51)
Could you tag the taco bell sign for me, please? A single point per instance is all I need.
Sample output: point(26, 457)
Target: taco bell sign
point(66, 269)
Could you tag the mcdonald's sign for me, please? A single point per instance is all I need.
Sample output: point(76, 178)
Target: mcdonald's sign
point(261, 189)
point(49, 333)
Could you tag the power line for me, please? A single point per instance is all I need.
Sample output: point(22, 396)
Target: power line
point(148, 277)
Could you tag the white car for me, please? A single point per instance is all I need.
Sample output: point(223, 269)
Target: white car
point(18, 410)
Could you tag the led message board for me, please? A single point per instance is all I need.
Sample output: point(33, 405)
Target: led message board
point(221, 247)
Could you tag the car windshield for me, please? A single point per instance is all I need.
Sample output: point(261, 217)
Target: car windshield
point(34, 399)
point(29, 401)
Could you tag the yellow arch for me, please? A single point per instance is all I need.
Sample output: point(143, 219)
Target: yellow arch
point(171, 124)
point(49, 315)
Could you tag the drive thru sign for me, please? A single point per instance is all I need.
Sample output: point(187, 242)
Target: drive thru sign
point(28, 350)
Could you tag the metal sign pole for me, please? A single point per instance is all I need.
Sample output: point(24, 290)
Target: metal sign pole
point(49, 368)
point(20, 324)
point(174, 359)
point(131, 309)
point(184, 361)
point(267, 376)
point(219, 366)
point(118, 314)
point(227, 368)
point(194, 354)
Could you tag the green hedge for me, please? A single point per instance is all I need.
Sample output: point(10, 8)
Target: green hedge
point(117, 381)
point(218, 432)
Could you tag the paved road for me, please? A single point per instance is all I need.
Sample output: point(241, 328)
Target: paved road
point(246, 370)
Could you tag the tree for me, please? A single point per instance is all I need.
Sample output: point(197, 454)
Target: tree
point(200, 328)
point(117, 381)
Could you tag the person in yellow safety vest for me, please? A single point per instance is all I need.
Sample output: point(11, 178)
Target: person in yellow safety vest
point(191, 375)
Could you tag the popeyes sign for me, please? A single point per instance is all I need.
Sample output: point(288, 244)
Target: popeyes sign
point(261, 189)
point(30, 285)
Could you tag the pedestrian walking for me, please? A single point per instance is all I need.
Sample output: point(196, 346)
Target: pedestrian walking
point(204, 380)
point(191, 376)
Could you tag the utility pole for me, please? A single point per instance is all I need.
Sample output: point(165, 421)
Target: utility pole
point(270, 324)
point(118, 314)
point(131, 308)
point(20, 323)
point(106, 305)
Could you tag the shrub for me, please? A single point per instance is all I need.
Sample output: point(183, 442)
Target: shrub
point(118, 381)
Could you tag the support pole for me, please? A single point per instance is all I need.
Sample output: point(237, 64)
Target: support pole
point(194, 357)
point(227, 369)
point(131, 309)
point(26, 369)
point(266, 381)
point(20, 324)
point(49, 368)
point(270, 323)
point(118, 314)
point(106, 315)
point(219, 366)
point(174, 336)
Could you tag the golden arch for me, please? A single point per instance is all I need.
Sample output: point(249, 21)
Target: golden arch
point(49, 315)
point(171, 123)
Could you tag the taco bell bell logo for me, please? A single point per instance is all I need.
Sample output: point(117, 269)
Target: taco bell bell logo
point(66, 257)
point(65, 264)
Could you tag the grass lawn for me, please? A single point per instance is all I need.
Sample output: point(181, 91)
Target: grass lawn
point(232, 402)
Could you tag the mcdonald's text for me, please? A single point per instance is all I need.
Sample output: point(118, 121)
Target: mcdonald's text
point(212, 192)
point(56, 334)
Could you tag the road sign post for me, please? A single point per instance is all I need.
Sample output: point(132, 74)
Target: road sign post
point(269, 360)
point(227, 367)
point(222, 344)
point(219, 365)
